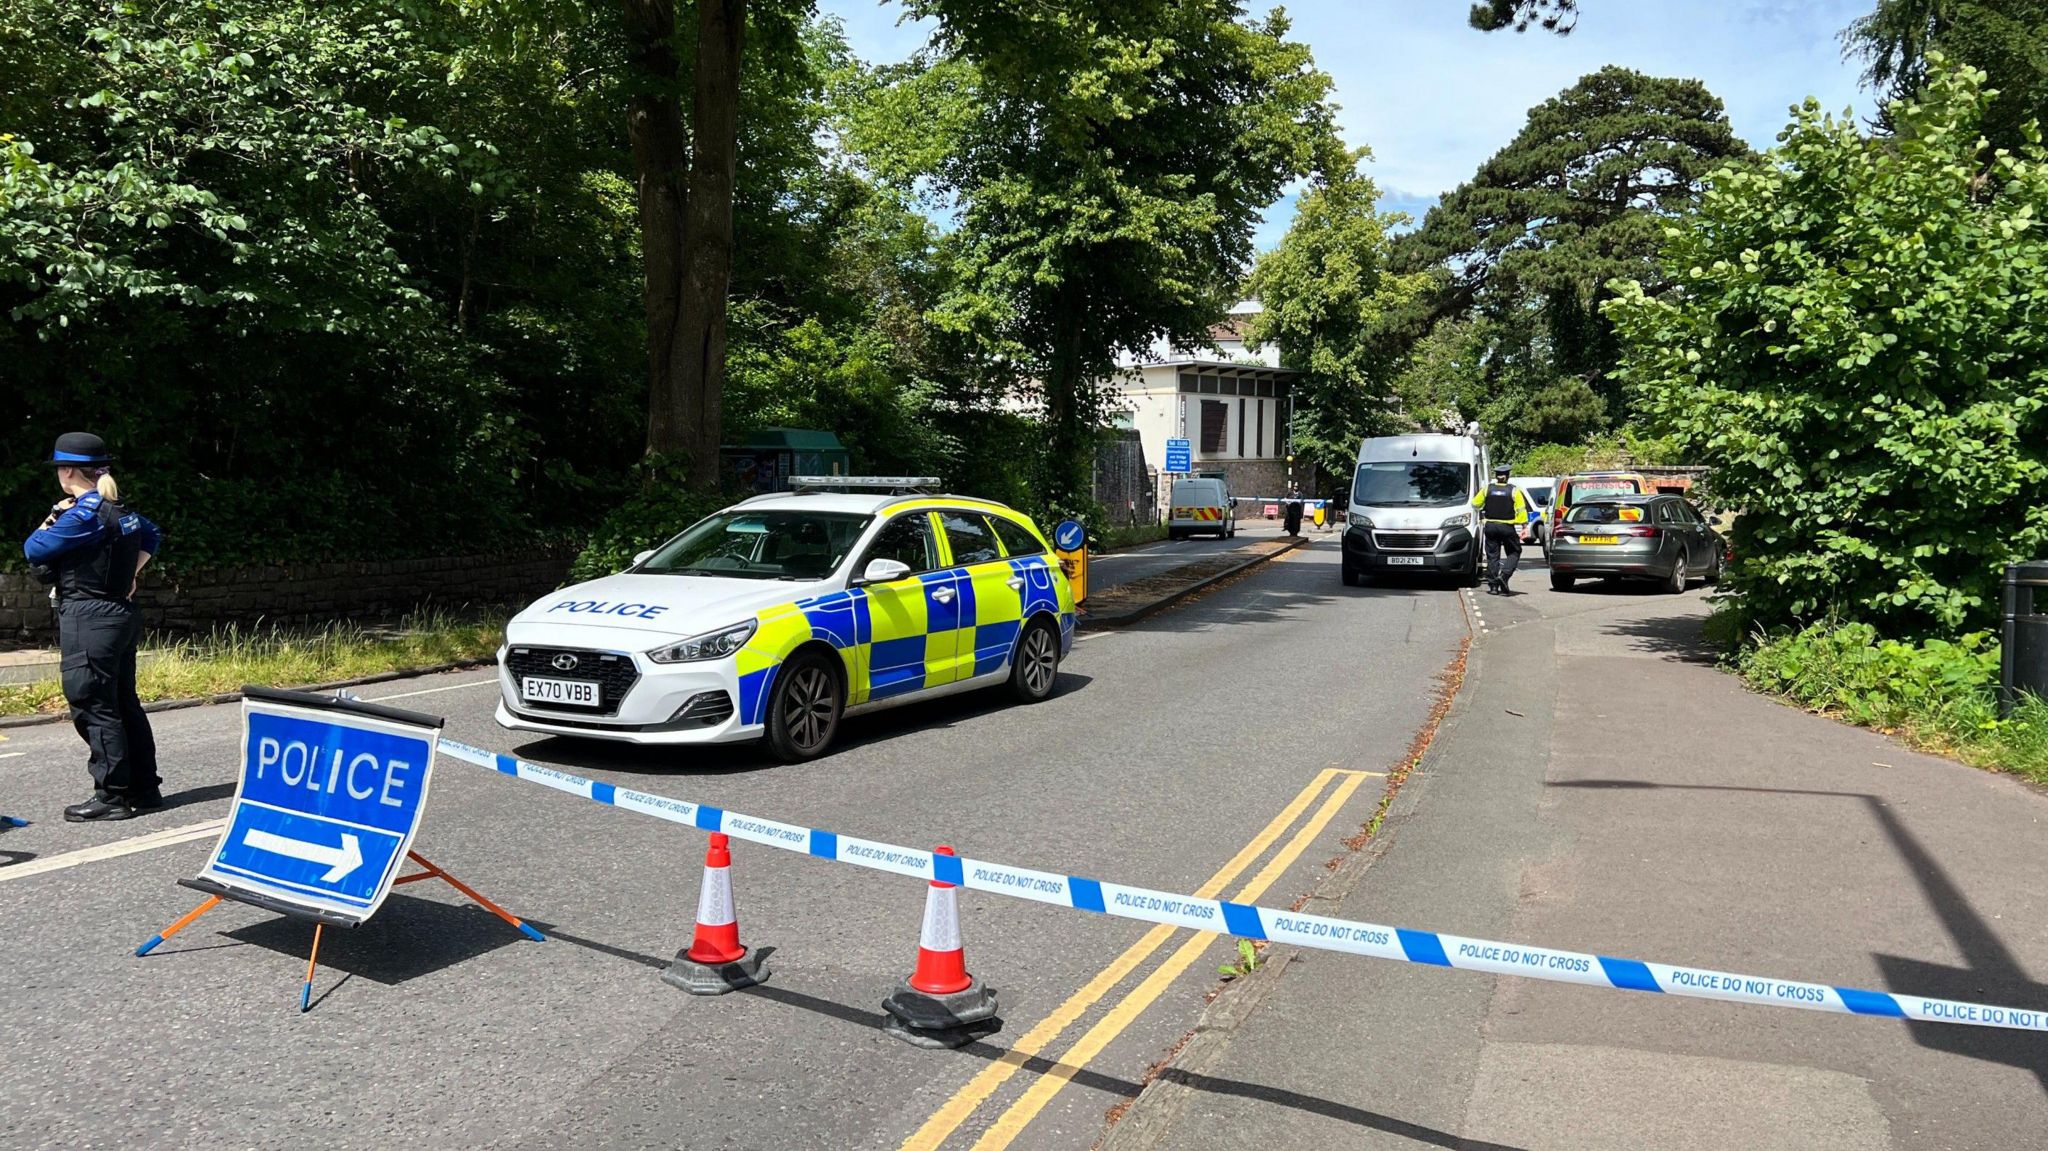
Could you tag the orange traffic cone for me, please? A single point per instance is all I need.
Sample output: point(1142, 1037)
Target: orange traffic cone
point(716, 962)
point(940, 1004)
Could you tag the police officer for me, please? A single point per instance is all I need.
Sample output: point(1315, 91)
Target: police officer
point(1504, 508)
point(93, 550)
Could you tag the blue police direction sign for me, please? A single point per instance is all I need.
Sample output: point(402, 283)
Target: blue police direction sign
point(1070, 536)
point(330, 796)
point(1179, 456)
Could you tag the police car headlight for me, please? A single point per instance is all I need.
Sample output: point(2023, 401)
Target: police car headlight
point(710, 645)
point(1462, 519)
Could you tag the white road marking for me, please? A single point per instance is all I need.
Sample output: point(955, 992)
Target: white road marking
point(11, 754)
point(432, 690)
point(166, 838)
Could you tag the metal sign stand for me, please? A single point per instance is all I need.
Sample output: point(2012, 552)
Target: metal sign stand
point(216, 893)
point(275, 861)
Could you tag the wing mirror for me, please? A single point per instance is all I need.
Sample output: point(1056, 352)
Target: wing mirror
point(883, 571)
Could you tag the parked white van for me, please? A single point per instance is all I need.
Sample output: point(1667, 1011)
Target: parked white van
point(1411, 508)
point(1200, 504)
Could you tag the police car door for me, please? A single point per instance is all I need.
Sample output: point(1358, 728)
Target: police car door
point(901, 613)
point(991, 594)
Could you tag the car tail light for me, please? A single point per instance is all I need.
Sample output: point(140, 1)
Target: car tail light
point(1640, 530)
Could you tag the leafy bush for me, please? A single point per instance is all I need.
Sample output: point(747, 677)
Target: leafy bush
point(657, 506)
point(1857, 348)
point(1941, 694)
point(1623, 449)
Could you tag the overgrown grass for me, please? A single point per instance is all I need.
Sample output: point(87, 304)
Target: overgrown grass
point(1939, 695)
point(278, 657)
point(1115, 538)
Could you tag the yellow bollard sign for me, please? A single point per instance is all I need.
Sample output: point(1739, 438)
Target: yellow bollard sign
point(1070, 544)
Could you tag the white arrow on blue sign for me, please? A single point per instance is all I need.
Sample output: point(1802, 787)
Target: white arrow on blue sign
point(1070, 536)
point(1179, 456)
point(327, 806)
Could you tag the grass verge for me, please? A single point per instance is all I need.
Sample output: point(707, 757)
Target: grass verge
point(1938, 695)
point(1118, 538)
point(278, 657)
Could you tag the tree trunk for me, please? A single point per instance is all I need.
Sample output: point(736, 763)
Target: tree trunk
point(697, 350)
point(1070, 457)
point(661, 160)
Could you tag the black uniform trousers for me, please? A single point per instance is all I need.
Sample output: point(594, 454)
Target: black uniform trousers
point(98, 639)
point(1502, 538)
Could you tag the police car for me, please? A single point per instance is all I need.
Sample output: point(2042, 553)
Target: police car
point(783, 613)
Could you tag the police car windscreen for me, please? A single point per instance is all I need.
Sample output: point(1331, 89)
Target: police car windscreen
point(790, 545)
point(1412, 484)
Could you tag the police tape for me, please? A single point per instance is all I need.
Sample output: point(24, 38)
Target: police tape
point(1248, 921)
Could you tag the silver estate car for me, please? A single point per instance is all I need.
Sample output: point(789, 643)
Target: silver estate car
point(1651, 537)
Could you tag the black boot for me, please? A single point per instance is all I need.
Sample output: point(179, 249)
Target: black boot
point(98, 809)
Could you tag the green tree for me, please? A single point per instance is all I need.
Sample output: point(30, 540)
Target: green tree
point(1325, 289)
point(2007, 39)
point(1559, 16)
point(1858, 349)
point(1580, 197)
point(1107, 161)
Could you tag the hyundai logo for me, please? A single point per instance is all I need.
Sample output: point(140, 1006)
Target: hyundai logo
point(564, 662)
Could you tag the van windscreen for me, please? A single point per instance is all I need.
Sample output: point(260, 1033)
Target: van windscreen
point(1412, 484)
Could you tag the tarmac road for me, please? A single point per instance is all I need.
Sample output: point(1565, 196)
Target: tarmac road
point(1227, 741)
point(1601, 786)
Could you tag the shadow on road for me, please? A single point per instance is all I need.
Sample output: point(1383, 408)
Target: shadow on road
point(409, 938)
point(1039, 1065)
point(192, 795)
point(1356, 1116)
point(735, 758)
point(1992, 973)
point(1681, 637)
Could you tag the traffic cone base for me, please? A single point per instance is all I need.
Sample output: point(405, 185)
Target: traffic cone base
point(940, 1004)
point(715, 962)
point(717, 978)
point(956, 1019)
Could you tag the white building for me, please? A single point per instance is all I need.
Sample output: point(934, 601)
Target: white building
point(1231, 405)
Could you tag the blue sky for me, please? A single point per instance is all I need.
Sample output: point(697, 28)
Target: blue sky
point(1433, 99)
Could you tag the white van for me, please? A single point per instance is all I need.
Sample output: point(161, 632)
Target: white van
point(1200, 504)
point(1411, 508)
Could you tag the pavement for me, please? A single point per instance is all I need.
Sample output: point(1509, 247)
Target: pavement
point(1147, 560)
point(436, 1024)
point(1600, 786)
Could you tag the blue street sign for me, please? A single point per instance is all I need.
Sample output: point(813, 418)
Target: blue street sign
point(327, 805)
point(1179, 456)
point(1070, 536)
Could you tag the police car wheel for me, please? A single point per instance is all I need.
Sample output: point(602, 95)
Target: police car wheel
point(1036, 666)
point(804, 714)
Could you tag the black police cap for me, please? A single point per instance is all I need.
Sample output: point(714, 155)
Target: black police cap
point(81, 449)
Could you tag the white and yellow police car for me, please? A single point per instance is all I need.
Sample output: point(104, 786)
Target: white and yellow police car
point(779, 615)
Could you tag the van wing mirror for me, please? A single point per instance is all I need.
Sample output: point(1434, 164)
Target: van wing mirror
point(882, 571)
point(643, 557)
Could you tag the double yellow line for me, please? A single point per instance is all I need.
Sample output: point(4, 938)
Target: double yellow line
point(1011, 1123)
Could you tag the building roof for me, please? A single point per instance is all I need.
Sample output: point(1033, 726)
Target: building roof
point(1256, 371)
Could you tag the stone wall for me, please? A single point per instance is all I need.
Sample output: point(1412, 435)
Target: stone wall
point(1123, 484)
point(299, 594)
